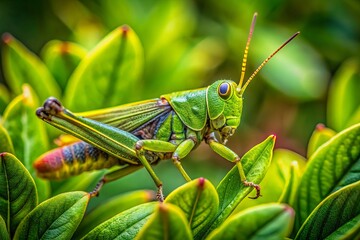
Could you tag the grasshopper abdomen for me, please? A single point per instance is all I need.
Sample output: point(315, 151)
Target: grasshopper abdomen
point(72, 160)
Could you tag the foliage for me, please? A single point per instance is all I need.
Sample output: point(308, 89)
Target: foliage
point(196, 209)
point(313, 197)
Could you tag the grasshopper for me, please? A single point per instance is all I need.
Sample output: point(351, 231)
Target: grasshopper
point(140, 134)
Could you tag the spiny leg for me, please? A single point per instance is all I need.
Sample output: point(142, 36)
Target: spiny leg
point(96, 190)
point(243, 178)
point(231, 156)
point(113, 175)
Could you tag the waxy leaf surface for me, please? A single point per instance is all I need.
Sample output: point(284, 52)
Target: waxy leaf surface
point(167, 222)
point(107, 75)
point(62, 58)
point(232, 190)
point(112, 207)
point(344, 102)
point(3, 231)
point(22, 66)
point(268, 221)
point(284, 173)
point(4, 97)
point(5, 141)
point(17, 192)
point(125, 225)
point(55, 218)
point(337, 216)
point(28, 134)
point(320, 136)
point(199, 201)
point(334, 165)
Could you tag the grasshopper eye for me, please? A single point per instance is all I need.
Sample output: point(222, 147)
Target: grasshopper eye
point(224, 90)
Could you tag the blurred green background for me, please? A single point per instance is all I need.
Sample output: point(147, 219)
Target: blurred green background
point(189, 44)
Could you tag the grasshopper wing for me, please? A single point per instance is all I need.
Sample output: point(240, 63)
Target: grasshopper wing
point(133, 116)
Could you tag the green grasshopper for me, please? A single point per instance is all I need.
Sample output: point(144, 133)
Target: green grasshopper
point(140, 134)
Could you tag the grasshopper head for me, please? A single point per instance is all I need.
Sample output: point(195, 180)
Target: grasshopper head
point(225, 98)
point(224, 103)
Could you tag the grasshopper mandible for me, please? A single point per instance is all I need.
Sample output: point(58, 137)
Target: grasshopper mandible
point(140, 134)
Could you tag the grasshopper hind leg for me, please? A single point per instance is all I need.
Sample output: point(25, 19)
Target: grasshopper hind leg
point(51, 107)
point(115, 174)
point(96, 190)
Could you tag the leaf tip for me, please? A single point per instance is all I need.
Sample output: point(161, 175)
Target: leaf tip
point(27, 92)
point(294, 164)
point(7, 38)
point(64, 48)
point(289, 210)
point(201, 182)
point(163, 207)
point(124, 29)
point(89, 196)
point(320, 127)
point(273, 136)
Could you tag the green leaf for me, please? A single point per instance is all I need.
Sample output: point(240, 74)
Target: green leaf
point(231, 190)
point(161, 21)
point(289, 192)
point(55, 218)
point(355, 118)
point(268, 221)
point(5, 141)
point(3, 231)
point(167, 222)
point(4, 97)
point(191, 59)
point(124, 225)
point(278, 178)
point(17, 192)
point(28, 134)
point(112, 207)
point(334, 165)
point(344, 101)
point(22, 66)
point(350, 230)
point(320, 135)
point(297, 61)
point(334, 216)
point(199, 201)
point(108, 75)
point(62, 58)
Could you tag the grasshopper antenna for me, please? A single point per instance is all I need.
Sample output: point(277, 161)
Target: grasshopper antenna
point(265, 61)
point(243, 66)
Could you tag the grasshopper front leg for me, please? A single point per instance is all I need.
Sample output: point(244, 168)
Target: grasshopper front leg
point(231, 156)
point(175, 153)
